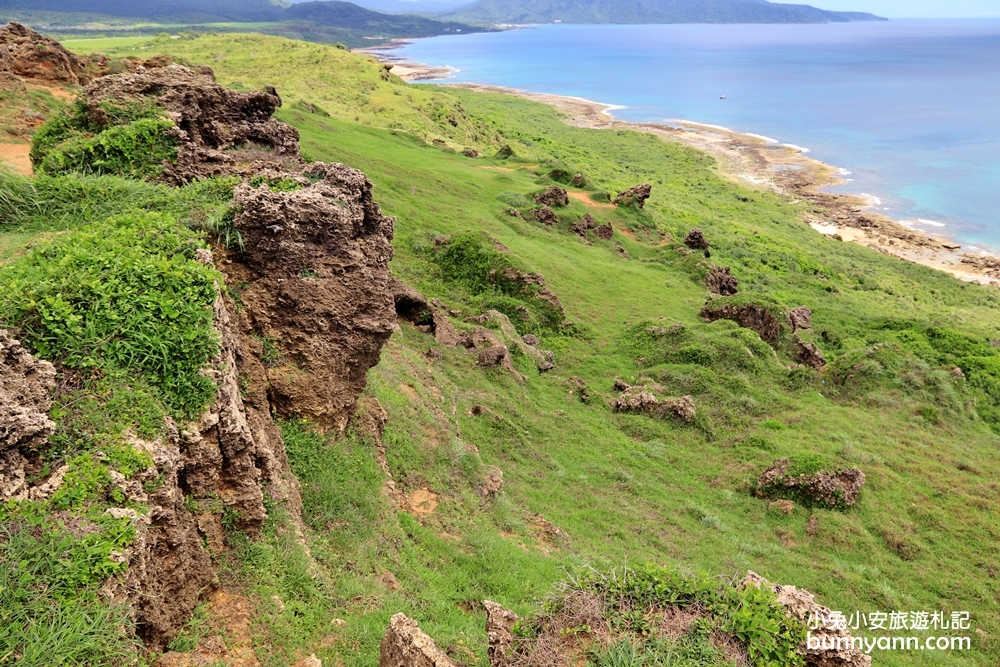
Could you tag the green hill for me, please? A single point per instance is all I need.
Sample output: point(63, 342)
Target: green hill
point(910, 394)
point(485, 12)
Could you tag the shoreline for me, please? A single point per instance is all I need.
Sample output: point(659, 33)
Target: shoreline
point(762, 162)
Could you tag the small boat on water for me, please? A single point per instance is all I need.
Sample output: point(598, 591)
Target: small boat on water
point(722, 97)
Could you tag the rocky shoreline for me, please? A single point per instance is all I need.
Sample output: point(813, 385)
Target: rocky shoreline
point(764, 163)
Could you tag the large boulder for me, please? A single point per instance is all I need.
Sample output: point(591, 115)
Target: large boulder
point(316, 264)
point(30, 55)
point(406, 645)
point(640, 400)
point(210, 119)
point(761, 317)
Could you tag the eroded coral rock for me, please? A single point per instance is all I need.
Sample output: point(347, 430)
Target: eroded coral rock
point(27, 386)
point(406, 645)
point(553, 196)
point(825, 488)
point(499, 632)
point(809, 354)
point(759, 317)
point(639, 399)
point(30, 55)
point(414, 307)
point(605, 232)
point(635, 196)
point(546, 216)
point(696, 240)
point(721, 281)
point(829, 648)
point(800, 318)
point(210, 118)
point(319, 287)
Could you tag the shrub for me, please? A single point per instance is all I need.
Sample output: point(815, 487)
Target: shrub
point(125, 295)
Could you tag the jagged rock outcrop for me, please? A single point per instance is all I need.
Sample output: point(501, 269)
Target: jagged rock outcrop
point(824, 488)
point(809, 355)
point(27, 385)
point(696, 240)
point(721, 281)
point(414, 307)
point(210, 119)
point(503, 334)
point(586, 223)
point(406, 645)
point(800, 318)
point(30, 55)
point(605, 232)
point(553, 196)
point(759, 317)
point(639, 399)
point(318, 285)
point(499, 632)
point(546, 216)
point(635, 197)
point(231, 457)
point(830, 647)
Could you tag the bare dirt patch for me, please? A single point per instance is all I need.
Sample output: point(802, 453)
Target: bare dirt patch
point(16, 156)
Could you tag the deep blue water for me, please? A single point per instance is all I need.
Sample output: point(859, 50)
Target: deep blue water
point(910, 107)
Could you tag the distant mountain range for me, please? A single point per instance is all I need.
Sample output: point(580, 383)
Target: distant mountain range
point(343, 15)
point(490, 12)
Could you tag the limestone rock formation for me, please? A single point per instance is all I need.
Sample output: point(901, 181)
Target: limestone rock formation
point(835, 647)
point(578, 180)
point(721, 281)
point(499, 632)
point(800, 318)
point(210, 119)
point(26, 389)
point(553, 196)
point(318, 283)
point(759, 317)
point(824, 488)
point(605, 232)
point(503, 334)
point(546, 216)
point(809, 354)
point(696, 240)
point(635, 196)
point(414, 307)
point(406, 645)
point(639, 399)
point(30, 55)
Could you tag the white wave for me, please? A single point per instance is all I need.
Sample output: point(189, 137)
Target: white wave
point(932, 223)
point(766, 140)
point(707, 125)
point(844, 172)
point(872, 199)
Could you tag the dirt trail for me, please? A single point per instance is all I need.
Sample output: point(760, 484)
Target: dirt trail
point(588, 200)
point(17, 157)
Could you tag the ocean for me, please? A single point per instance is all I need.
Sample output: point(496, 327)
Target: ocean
point(909, 110)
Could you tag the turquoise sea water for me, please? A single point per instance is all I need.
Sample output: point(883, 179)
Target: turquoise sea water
point(911, 108)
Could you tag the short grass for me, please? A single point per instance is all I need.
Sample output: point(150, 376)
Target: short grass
point(585, 486)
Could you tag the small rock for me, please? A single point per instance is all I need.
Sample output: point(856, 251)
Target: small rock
point(493, 482)
point(546, 216)
point(605, 231)
point(810, 355)
point(531, 339)
point(406, 645)
point(696, 240)
point(800, 318)
point(499, 632)
point(470, 153)
point(553, 196)
point(721, 281)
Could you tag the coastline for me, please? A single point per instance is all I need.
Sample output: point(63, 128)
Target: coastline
point(762, 162)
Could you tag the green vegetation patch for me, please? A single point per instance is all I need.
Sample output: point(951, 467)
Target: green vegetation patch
point(123, 295)
point(496, 281)
point(130, 140)
point(653, 615)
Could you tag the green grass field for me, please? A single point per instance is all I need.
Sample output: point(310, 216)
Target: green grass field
point(586, 486)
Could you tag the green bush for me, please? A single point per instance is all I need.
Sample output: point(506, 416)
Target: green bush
point(136, 150)
point(125, 295)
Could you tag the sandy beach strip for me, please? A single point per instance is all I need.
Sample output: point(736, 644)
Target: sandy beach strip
point(767, 163)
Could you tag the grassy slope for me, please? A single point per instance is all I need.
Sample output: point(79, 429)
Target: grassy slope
point(619, 487)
